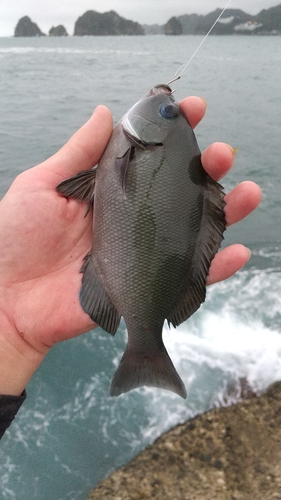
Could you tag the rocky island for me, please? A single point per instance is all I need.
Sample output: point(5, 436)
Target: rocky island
point(26, 27)
point(58, 31)
point(109, 23)
point(230, 453)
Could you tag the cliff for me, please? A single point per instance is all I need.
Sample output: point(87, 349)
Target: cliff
point(26, 27)
point(109, 23)
point(226, 453)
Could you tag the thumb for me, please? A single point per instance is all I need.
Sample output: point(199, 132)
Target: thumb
point(85, 147)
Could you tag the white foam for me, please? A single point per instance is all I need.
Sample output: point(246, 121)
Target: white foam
point(225, 342)
point(228, 343)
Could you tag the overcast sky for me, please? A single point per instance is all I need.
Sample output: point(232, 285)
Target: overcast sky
point(48, 13)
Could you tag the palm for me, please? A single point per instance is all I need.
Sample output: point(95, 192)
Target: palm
point(46, 239)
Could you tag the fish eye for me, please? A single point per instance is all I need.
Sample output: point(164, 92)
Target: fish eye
point(169, 110)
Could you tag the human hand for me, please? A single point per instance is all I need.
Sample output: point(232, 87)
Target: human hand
point(45, 236)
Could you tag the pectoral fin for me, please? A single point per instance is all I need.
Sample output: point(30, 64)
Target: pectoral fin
point(81, 186)
point(122, 164)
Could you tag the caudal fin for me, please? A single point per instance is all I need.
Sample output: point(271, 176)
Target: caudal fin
point(155, 370)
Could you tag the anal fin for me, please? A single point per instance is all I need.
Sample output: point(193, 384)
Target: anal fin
point(95, 300)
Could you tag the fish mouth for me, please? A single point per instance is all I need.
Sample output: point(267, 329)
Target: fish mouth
point(161, 88)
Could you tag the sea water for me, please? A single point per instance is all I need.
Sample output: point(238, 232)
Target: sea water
point(69, 434)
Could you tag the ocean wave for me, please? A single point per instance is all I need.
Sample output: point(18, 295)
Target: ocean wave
point(228, 350)
point(270, 252)
point(69, 50)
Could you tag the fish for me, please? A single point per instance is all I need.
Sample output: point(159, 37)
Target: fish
point(158, 221)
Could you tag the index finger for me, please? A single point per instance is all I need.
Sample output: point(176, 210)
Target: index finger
point(218, 158)
point(194, 109)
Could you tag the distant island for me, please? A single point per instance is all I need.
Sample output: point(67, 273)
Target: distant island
point(233, 22)
point(91, 23)
point(26, 27)
point(58, 31)
point(109, 23)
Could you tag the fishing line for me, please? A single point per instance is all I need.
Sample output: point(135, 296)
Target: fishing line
point(182, 68)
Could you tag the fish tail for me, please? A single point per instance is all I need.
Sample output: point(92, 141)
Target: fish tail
point(137, 369)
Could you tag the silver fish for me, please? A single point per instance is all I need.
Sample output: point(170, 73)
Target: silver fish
point(158, 222)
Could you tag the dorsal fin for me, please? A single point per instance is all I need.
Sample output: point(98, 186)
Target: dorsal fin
point(213, 225)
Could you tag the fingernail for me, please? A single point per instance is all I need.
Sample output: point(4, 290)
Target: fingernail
point(204, 100)
point(249, 253)
point(233, 151)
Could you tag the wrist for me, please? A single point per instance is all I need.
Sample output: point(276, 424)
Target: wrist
point(18, 361)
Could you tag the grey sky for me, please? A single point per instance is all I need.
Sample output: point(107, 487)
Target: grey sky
point(53, 12)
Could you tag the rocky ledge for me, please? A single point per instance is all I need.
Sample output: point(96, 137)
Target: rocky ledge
point(231, 453)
